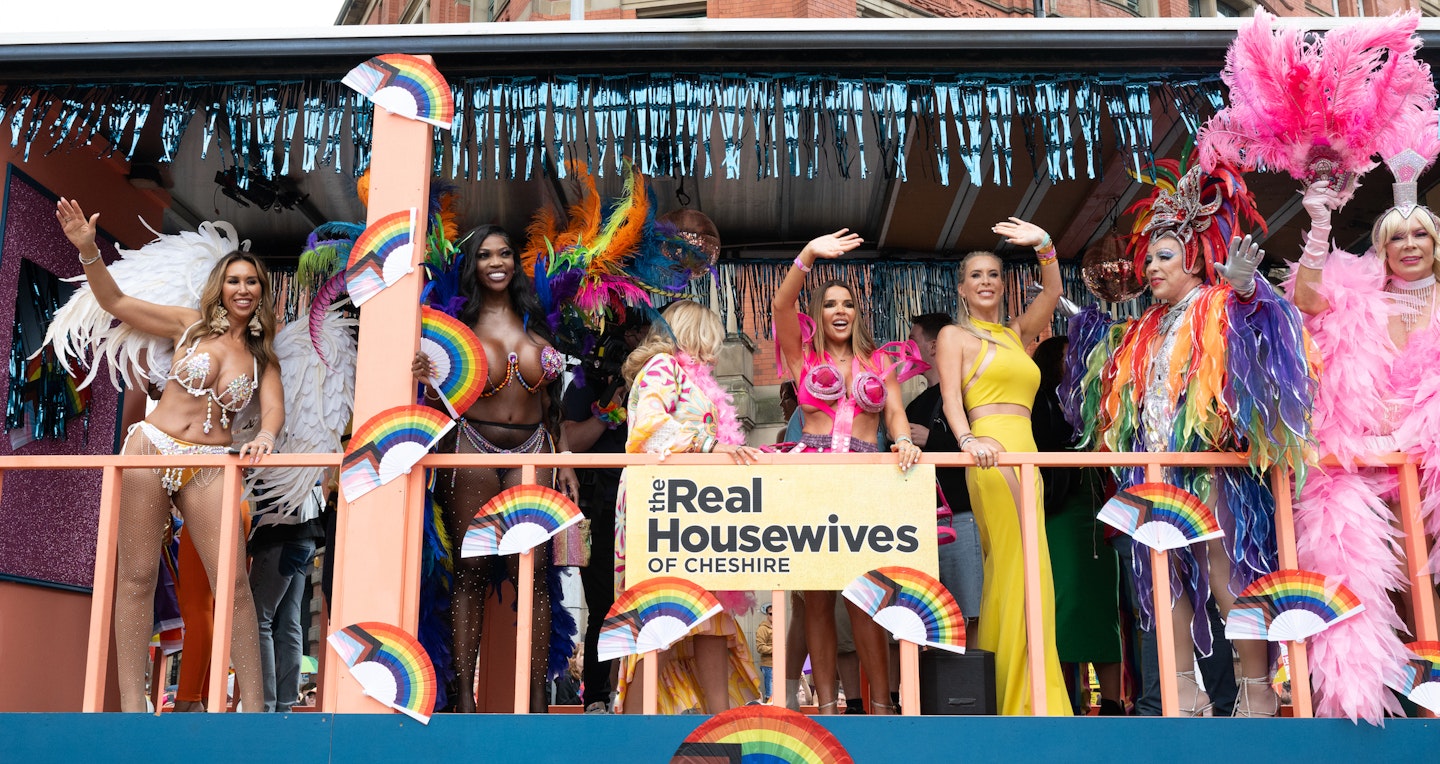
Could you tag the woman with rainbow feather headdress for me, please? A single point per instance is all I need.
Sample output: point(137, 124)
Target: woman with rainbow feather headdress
point(1219, 363)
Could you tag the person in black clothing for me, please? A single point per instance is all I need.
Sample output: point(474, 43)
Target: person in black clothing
point(593, 415)
point(961, 566)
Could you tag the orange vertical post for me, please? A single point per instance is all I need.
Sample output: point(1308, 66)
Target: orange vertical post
point(525, 616)
point(1416, 555)
point(1300, 701)
point(1161, 607)
point(102, 593)
point(1034, 612)
point(779, 607)
point(374, 567)
point(909, 678)
point(224, 586)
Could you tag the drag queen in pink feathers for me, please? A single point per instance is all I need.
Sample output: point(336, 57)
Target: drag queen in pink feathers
point(1319, 108)
point(1374, 320)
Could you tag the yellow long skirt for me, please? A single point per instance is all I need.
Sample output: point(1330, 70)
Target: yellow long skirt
point(995, 497)
point(679, 682)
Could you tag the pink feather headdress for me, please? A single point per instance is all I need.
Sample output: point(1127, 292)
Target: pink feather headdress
point(1316, 106)
point(1408, 153)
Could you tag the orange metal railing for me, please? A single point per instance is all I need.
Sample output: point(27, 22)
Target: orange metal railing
point(1423, 615)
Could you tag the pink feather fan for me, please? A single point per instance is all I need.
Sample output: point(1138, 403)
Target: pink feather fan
point(1317, 106)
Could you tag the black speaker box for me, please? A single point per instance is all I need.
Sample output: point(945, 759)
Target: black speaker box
point(952, 684)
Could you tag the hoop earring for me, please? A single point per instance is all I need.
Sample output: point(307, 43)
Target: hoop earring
point(255, 326)
point(220, 322)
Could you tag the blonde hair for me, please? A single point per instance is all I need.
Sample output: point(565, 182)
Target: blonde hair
point(685, 326)
point(262, 347)
point(862, 340)
point(962, 308)
point(1392, 221)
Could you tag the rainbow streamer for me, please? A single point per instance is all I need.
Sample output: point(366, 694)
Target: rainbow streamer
point(387, 445)
point(383, 254)
point(1290, 606)
point(456, 354)
point(761, 735)
point(518, 520)
point(653, 615)
point(1161, 516)
point(390, 666)
point(911, 605)
point(405, 85)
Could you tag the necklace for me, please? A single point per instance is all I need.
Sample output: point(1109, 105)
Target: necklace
point(1412, 297)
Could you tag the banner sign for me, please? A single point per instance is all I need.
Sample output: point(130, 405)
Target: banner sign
point(777, 527)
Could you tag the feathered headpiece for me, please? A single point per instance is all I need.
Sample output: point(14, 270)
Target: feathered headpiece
point(1408, 154)
point(1202, 211)
point(1316, 106)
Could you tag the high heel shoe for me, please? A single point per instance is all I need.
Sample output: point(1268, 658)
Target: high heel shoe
point(1243, 706)
point(876, 707)
point(1195, 708)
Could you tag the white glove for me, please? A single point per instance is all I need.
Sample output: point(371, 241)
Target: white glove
point(1241, 264)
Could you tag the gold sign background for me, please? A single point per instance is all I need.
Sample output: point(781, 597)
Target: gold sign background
point(812, 527)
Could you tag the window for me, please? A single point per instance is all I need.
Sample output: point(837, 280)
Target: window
point(666, 9)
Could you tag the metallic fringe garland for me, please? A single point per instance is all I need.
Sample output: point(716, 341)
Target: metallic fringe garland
point(795, 125)
point(890, 292)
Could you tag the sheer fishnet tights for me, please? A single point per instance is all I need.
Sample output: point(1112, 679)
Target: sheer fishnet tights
point(462, 493)
point(144, 515)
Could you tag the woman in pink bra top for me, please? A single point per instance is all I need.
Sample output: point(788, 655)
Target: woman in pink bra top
point(518, 412)
point(844, 384)
point(224, 356)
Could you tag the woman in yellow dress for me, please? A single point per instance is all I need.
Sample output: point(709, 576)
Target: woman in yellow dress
point(988, 384)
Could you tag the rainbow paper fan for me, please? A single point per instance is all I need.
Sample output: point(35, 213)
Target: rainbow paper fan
point(388, 445)
point(405, 85)
point(518, 520)
point(1419, 678)
point(383, 254)
point(456, 354)
point(1290, 606)
point(761, 735)
point(911, 605)
point(652, 615)
point(1161, 516)
point(390, 666)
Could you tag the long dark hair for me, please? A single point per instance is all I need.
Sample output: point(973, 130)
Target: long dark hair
point(521, 291)
point(523, 301)
point(1048, 425)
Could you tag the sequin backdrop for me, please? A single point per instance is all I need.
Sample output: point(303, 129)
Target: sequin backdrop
point(48, 518)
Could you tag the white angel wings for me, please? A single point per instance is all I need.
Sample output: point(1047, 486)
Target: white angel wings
point(171, 270)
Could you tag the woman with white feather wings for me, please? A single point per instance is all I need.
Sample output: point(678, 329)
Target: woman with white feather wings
point(228, 381)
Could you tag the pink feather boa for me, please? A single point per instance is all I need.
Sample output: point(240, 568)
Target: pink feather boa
point(1343, 520)
point(727, 427)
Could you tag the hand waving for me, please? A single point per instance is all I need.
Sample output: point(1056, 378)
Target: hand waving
point(832, 245)
point(1021, 233)
point(78, 229)
point(1241, 264)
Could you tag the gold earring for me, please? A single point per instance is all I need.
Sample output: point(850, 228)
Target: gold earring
point(255, 326)
point(220, 323)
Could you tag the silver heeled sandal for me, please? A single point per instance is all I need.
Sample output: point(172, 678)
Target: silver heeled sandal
point(1242, 703)
point(1195, 709)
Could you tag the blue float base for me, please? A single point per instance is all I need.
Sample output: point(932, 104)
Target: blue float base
point(564, 739)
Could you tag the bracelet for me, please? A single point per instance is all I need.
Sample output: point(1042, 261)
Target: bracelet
point(612, 414)
point(708, 445)
point(801, 265)
point(966, 438)
point(1046, 258)
point(92, 260)
point(1045, 244)
point(904, 439)
point(425, 389)
point(265, 434)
